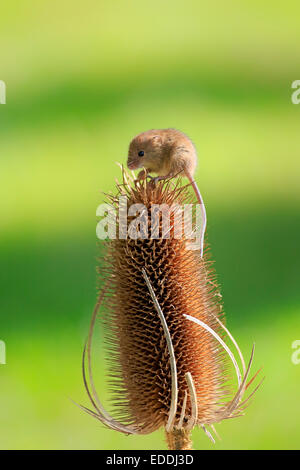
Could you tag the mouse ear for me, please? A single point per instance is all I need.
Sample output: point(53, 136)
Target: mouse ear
point(156, 140)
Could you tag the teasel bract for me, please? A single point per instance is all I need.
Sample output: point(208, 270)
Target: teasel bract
point(161, 311)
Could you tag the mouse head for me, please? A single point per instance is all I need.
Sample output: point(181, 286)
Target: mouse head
point(145, 151)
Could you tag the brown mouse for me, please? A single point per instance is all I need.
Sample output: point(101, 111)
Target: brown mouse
point(168, 153)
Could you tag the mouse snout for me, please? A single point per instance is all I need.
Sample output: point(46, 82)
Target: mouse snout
point(133, 165)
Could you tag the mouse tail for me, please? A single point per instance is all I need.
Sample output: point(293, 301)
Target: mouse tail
point(203, 210)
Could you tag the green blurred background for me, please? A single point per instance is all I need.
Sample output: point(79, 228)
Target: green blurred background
point(82, 79)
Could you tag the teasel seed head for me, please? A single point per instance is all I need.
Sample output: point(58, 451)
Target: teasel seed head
point(165, 338)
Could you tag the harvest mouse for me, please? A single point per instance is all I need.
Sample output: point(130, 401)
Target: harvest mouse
point(168, 153)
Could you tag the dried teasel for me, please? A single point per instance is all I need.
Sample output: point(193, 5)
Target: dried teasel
point(165, 338)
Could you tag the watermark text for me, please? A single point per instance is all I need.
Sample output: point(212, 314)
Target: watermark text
point(296, 354)
point(296, 94)
point(2, 92)
point(2, 352)
point(161, 221)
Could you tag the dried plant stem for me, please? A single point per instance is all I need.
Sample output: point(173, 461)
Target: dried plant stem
point(100, 413)
point(174, 398)
point(235, 344)
point(193, 397)
point(201, 323)
point(182, 414)
point(179, 439)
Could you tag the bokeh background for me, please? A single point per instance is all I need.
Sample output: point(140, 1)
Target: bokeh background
point(82, 79)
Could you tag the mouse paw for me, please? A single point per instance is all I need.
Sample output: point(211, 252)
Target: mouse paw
point(142, 175)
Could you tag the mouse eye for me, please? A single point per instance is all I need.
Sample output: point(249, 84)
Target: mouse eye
point(141, 153)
